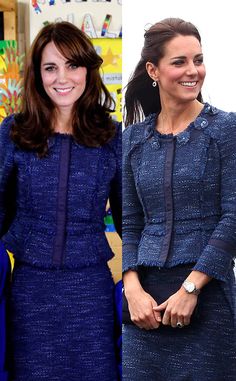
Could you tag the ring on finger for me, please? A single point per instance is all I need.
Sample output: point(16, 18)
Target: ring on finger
point(179, 325)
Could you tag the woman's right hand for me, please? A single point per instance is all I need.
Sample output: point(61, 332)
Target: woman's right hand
point(140, 303)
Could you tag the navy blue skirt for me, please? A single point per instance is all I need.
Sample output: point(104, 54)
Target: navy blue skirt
point(203, 351)
point(62, 324)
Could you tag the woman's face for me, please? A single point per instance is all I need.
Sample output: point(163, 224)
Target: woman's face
point(63, 81)
point(181, 72)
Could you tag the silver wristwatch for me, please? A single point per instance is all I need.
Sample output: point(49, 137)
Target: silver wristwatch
point(190, 288)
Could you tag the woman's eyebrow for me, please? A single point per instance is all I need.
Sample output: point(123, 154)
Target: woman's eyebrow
point(49, 63)
point(183, 57)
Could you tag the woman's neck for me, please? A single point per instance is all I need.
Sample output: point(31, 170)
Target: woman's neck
point(63, 122)
point(176, 118)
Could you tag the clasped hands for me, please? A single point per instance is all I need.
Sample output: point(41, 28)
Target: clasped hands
point(147, 314)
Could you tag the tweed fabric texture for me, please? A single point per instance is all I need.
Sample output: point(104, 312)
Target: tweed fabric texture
point(62, 296)
point(179, 194)
point(203, 351)
point(62, 324)
point(59, 211)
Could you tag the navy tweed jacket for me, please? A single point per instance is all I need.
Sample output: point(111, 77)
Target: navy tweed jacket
point(52, 209)
point(179, 194)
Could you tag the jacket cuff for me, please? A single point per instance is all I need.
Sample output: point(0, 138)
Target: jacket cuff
point(129, 259)
point(215, 263)
point(131, 267)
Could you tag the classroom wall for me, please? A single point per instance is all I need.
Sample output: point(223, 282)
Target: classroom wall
point(31, 19)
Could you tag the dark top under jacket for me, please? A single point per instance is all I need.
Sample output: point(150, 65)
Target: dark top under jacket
point(60, 200)
point(179, 194)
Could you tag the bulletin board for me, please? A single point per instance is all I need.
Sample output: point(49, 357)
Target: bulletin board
point(98, 18)
point(11, 66)
point(111, 72)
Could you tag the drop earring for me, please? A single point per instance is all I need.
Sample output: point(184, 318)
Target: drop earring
point(154, 83)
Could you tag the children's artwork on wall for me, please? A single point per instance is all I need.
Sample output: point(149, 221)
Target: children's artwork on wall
point(110, 50)
point(11, 65)
point(100, 18)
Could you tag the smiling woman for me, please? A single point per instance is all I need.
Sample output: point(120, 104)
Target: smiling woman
point(64, 82)
point(64, 49)
point(180, 74)
point(179, 216)
point(60, 162)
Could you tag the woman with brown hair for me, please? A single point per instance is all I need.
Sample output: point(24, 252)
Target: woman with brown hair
point(179, 215)
point(60, 159)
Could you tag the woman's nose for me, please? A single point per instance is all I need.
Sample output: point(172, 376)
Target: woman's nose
point(62, 75)
point(191, 69)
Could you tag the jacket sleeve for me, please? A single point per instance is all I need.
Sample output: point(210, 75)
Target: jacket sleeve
point(7, 177)
point(115, 196)
point(133, 216)
point(217, 257)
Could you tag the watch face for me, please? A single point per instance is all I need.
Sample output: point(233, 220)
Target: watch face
point(190, 287)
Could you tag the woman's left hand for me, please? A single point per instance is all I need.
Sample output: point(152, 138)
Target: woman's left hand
point(178, 308)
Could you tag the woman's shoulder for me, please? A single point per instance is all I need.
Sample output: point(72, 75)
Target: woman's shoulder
point(7, 121)
point(216, 122)
point(5, 128)
point(138, 132)
point(7, 146)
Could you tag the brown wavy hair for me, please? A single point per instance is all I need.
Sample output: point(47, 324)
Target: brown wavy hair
point(141, 98)
point(92, 123)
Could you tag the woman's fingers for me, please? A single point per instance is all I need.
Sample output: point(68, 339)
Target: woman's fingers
point(157, 316)
point(177, 309)
point(142, 314)
point(174, 319)
point(145, 319)
point(186, 320)
point(166, 315)
point(161, 306)
point(146, 322)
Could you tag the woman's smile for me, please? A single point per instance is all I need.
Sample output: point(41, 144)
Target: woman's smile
point(63, 91)
point(63, 81)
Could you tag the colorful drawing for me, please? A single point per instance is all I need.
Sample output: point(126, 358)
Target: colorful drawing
point(88, 26)
point(97, 18)
point(11, 66)
point(110, 51)
point(106, 25)
point(36, 6)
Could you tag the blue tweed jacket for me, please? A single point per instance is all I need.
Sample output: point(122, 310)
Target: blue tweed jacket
point(179, 194)
point(52, 209)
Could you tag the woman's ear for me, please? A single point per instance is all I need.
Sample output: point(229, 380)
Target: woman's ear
point(152, 71)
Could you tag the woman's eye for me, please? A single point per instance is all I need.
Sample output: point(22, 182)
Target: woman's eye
point(178, 63)
point(199, 61)
point(73, 66)
point(50, 68)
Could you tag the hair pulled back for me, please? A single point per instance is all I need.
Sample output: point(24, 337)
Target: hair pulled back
point(141, 98)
